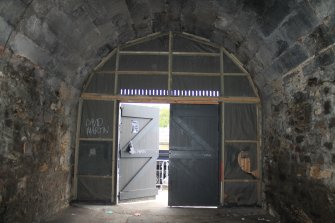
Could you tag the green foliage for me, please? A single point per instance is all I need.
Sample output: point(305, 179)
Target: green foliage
point(164, 117)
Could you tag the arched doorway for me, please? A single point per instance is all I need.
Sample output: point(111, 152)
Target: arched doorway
point(193, 75)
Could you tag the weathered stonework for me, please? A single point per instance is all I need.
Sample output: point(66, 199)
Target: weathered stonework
point(36, 147)
point(287, 46)
point(299, 139)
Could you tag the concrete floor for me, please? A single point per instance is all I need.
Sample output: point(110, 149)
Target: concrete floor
point(157, 211)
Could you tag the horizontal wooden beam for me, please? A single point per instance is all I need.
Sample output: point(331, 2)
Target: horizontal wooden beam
point(235, 74)
point(94, 176)
point(95, 139)
point(144, 53)
point(241, 141)
point(241, 180)
point(166, 53)
point(169, 99)
point(194, 74)
point(198, 39)
point(150, 72)
point(202, 54)
point(143, 39)
point(125, 72)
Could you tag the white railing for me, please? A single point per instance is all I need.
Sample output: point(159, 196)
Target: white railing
point(162, 173)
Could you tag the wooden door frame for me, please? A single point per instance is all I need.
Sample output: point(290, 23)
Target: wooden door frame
point(167, 100)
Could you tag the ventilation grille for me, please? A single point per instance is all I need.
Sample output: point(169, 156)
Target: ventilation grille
point(175, 93)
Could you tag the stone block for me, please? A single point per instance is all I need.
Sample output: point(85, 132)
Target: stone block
point(299, 24)
point(5, 30)
point(317, 172)
point(12, 10)
point(321, 37)
point(291, 58)
point(104, 11)
point(274, 16)
point(322, 8)
point(38, 31)
point(23, 46)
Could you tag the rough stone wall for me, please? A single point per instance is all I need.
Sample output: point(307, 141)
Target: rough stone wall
point(299, 142)
point(287, 45)
point(37, 114)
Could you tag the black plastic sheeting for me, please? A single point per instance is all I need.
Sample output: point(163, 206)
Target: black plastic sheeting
point(101, 83)
point(97, 119)
point(240, 193)
point(247, 152)
point(238, 86)
point(143, 63)
point(157, 44)
point(95, 158)
point(110, 64)
point(186, 45)
point(240, 121)
point(143, 82)
point(196, 64)
point(94, 189)
point(196, 83)
point(229, 66)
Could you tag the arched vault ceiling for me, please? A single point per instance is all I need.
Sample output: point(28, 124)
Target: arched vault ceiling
point(68, 38)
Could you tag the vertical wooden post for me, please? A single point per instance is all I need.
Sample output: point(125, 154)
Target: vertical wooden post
point(170, 63)
point(114, 171)
point(115, 147)
point(259, 153)
point(116, 70)
point(222, 130)
point(75, 179)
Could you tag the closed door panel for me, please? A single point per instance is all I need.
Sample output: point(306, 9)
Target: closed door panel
point(194, 155)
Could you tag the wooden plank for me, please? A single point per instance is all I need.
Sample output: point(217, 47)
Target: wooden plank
point(195, 74)
point(88, 81)
point(144, 73)
point(192, 134)
point(114, 172)
point(75, 181)
point(241, 180)
point(254, 89)
point(141, 133)
point(124, 195)
point(240, 100)
point(202, 54)
point(235, 60)
point(259, 153)
point(198, 39)
point(241, 141)
point(222, 192)
point(143, 39)
point(139, 173)
point(144, 53)
point(108, 57)
point(170, 62)
point(94, 176)
point(120, 72)
point(235, 74)
point(116, 70)
point(240, 65)
point(95, 139)
point(94, 96)
point(124, 72)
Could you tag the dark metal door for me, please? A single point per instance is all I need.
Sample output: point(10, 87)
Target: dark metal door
point(138, 151)
point(194, 155)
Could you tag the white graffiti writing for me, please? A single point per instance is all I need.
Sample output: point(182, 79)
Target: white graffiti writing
point(95, 126)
